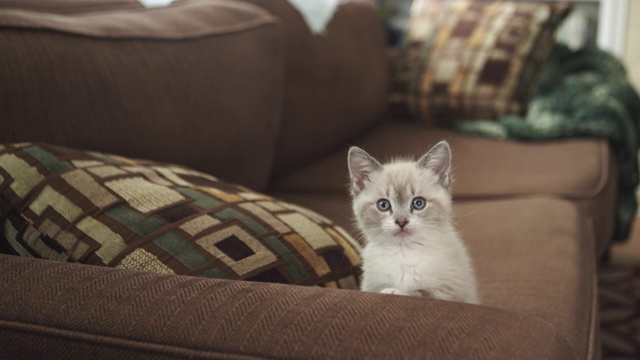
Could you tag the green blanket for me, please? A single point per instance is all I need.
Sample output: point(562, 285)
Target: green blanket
point(584, 93)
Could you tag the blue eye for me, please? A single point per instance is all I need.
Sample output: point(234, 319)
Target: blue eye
point(418, 203)
point(383, 205)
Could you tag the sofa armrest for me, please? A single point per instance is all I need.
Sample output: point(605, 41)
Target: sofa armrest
point(97, 312)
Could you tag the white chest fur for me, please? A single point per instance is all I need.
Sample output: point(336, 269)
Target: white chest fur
point(444, 271)
point(403, 267)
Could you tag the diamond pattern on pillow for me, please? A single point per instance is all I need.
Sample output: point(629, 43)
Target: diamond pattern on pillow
point(71, 205)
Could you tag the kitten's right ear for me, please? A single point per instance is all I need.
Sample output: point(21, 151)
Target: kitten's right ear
point(361, 165)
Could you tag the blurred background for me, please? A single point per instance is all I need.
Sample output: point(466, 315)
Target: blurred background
point(613, 25)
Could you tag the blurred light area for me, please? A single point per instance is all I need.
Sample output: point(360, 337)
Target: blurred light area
point(155, 3)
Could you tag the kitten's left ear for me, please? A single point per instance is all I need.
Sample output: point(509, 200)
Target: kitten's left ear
point(438, 160)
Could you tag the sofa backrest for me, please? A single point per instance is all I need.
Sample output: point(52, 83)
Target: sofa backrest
point(71, 6)
point(197, 83)
point(336, 81)
point(244, 101)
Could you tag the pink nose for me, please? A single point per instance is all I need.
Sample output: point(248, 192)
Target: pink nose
point(402, 223)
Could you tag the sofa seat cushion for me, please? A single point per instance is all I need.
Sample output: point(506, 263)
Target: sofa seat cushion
point(533, 256)
point(82, 206)
point(582, 170)
point(482, 167)
point(178, 77)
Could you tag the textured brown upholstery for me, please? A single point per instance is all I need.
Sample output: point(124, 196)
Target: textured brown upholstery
point(518, 268)
point(79, 312)
point(581, 170)
point(169, 76)
point(335, 84)
point(242, 90)
point(71, 6)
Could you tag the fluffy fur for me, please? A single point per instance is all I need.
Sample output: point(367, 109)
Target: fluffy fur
point(412, 247)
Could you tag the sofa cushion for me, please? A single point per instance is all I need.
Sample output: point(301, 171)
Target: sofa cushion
point(532, 256)
point(336, 82)
point(179, 77)
point(577, 169)
point(482, 167)
point(465, 59)
point(89, 207)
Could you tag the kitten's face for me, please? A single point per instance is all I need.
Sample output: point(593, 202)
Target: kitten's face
point(400, 200)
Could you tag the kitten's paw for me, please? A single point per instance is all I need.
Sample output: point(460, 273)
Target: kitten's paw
point(426, 293)
point(392, 291)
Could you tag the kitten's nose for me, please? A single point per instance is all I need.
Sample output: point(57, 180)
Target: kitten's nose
point(402, 223)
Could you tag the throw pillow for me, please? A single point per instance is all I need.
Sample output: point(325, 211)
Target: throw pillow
point(464, 59)
point(82, 206)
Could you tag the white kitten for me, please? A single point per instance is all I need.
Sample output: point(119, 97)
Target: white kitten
point(404, 211)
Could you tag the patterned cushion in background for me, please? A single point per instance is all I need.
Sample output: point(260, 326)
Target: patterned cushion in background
point(80, 206)
point(465, 60)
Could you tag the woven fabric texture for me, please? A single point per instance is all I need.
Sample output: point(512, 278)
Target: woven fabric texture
point(82, 206)
point(467, 59)
point(57, 310)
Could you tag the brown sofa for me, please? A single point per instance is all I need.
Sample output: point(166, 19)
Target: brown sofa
point(248, 94)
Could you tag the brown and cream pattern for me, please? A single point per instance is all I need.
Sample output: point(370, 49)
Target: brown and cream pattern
point(80, 206)
point(465, 59)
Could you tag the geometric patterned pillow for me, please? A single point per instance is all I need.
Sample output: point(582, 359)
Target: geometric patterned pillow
point(82, 206)
point(465, 60)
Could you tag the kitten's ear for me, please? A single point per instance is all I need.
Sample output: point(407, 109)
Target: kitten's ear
point(438, 160)
point(361, 165)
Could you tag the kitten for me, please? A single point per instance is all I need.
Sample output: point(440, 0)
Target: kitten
point(403, 209)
